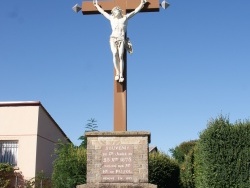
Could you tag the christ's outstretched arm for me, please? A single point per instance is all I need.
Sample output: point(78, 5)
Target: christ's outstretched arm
point(131, 14)
point(105, 14)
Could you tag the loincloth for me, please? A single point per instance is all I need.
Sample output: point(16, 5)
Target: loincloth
point(118, 41)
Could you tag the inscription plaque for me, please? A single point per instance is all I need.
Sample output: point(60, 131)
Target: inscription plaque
point(117, 163)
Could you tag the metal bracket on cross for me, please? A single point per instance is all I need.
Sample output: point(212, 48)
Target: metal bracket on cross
point(164, 4)
point(76, 8)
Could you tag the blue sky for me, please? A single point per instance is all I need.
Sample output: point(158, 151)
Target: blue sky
point(191, 63)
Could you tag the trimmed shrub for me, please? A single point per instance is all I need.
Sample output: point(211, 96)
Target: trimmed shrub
point(163, 171)
point(69, 166)
point(222, 155)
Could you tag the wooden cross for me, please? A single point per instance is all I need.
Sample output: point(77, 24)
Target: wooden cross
point(120, 88)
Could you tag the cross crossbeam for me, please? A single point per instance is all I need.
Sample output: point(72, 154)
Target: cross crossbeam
point(120, 88)
point(126, 5)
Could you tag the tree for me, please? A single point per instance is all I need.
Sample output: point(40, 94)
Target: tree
point(187, 177)
point(90, 127)
point(69, 168)
point(179, 152)
point(184, 155)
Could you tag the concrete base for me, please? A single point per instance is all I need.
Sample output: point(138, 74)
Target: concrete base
point(117, 185)
point(117, 160)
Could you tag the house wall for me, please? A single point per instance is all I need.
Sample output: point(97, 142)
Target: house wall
point(37, 134)
point(20, 123)
point(48, 135)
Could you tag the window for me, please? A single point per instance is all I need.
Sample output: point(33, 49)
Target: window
point(8, 152)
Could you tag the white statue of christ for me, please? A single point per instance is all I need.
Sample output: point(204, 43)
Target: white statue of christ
point(118, 42)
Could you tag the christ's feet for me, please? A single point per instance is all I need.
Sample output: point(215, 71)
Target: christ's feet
point(116, 77)
point(121, 79)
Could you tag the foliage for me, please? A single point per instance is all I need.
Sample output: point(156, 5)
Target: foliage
point(187, 171)
point(69, 166)
point(6, 173)
point(184, 155)
point(222, 155)
point(39, 181)
point(90, 126)
point(179, 152)
point(163, 171)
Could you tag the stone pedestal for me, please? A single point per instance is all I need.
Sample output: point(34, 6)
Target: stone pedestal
point(117, 160)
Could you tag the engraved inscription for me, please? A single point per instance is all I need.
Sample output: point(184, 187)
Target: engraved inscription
point(117, 163)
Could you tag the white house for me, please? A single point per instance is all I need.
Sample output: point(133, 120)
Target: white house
point(28, 137)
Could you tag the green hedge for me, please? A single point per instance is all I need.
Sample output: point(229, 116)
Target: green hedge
point(163, 171)
point(222, 156)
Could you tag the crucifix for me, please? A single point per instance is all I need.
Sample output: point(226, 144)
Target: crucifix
point(121, 11)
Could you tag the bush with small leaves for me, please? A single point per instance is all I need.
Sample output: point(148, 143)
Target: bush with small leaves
point(163, 171)
point(6, 173)
point(70, 166)
point(222, 155)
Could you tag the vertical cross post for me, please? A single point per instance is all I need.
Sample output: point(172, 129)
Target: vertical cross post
point(120, 100)
point(120, 88)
